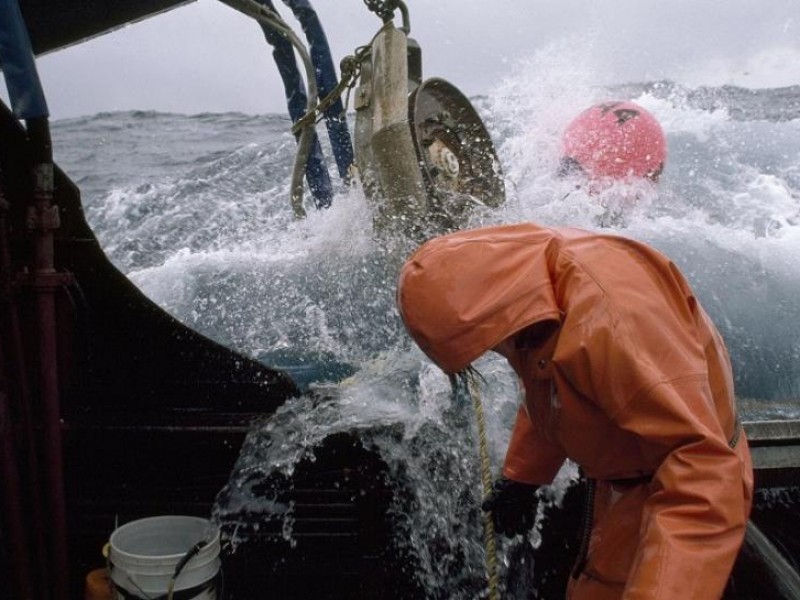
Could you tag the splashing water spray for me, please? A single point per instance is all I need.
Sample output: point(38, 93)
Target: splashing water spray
point(424, 160)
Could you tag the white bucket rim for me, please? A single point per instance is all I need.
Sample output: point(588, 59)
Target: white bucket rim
point(211, 547)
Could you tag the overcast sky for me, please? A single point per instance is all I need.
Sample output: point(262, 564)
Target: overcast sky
point(206, 57)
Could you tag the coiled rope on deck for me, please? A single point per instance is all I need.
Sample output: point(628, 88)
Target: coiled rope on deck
point(468, 381)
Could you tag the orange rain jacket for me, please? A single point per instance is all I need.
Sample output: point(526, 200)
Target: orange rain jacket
point(633, 382)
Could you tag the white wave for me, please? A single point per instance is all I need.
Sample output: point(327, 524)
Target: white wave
point(766, 68)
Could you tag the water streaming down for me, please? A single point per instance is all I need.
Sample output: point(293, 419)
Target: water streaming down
point(195, 209)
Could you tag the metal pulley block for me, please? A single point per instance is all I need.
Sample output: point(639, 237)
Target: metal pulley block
point(459, 165)
point(422, 153)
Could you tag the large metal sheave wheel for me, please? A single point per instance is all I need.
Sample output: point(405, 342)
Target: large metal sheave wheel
point(456, 154)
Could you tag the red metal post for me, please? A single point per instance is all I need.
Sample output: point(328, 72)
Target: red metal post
point(43, 219)
point(13, 514)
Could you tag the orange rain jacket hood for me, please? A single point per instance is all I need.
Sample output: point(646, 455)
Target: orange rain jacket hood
point(634, 384)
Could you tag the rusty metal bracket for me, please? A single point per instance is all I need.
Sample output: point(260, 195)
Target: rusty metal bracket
point(43, 280)
point(43, 218)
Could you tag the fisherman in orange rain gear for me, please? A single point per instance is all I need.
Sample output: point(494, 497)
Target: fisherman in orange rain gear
point(623, 373)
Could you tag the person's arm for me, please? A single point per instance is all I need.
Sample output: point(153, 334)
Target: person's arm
point(694, 521)
point(655, 385)
point(530, 457)
point(634, 343)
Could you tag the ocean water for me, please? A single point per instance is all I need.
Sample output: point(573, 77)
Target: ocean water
point(195, 210)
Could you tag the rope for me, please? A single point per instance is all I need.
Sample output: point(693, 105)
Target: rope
point(270, 18)
point(486, 480)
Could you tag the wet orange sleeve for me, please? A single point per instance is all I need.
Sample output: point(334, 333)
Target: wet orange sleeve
point(694, 520)
point(632, 345)
point(530, 457)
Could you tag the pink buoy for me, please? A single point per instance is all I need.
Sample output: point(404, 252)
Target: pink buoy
point(615, 140)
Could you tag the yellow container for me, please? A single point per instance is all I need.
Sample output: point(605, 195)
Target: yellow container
point(98, 585)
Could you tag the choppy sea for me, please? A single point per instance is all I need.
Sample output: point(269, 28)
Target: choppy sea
point(195, 210)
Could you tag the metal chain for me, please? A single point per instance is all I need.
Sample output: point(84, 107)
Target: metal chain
point(350, 68)
point(383, 8)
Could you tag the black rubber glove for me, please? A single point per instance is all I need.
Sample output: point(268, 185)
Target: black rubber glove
point(513, 506)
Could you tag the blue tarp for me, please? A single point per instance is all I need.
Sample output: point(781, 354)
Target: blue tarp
point(19, 67)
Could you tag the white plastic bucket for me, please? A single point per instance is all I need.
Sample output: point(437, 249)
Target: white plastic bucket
point(144, 554)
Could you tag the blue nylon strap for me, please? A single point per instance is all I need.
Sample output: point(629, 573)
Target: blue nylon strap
point(316, 172)
point(326, 81)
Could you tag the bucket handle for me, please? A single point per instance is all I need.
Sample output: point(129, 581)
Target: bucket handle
point(182, 563)
point(192, 552)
